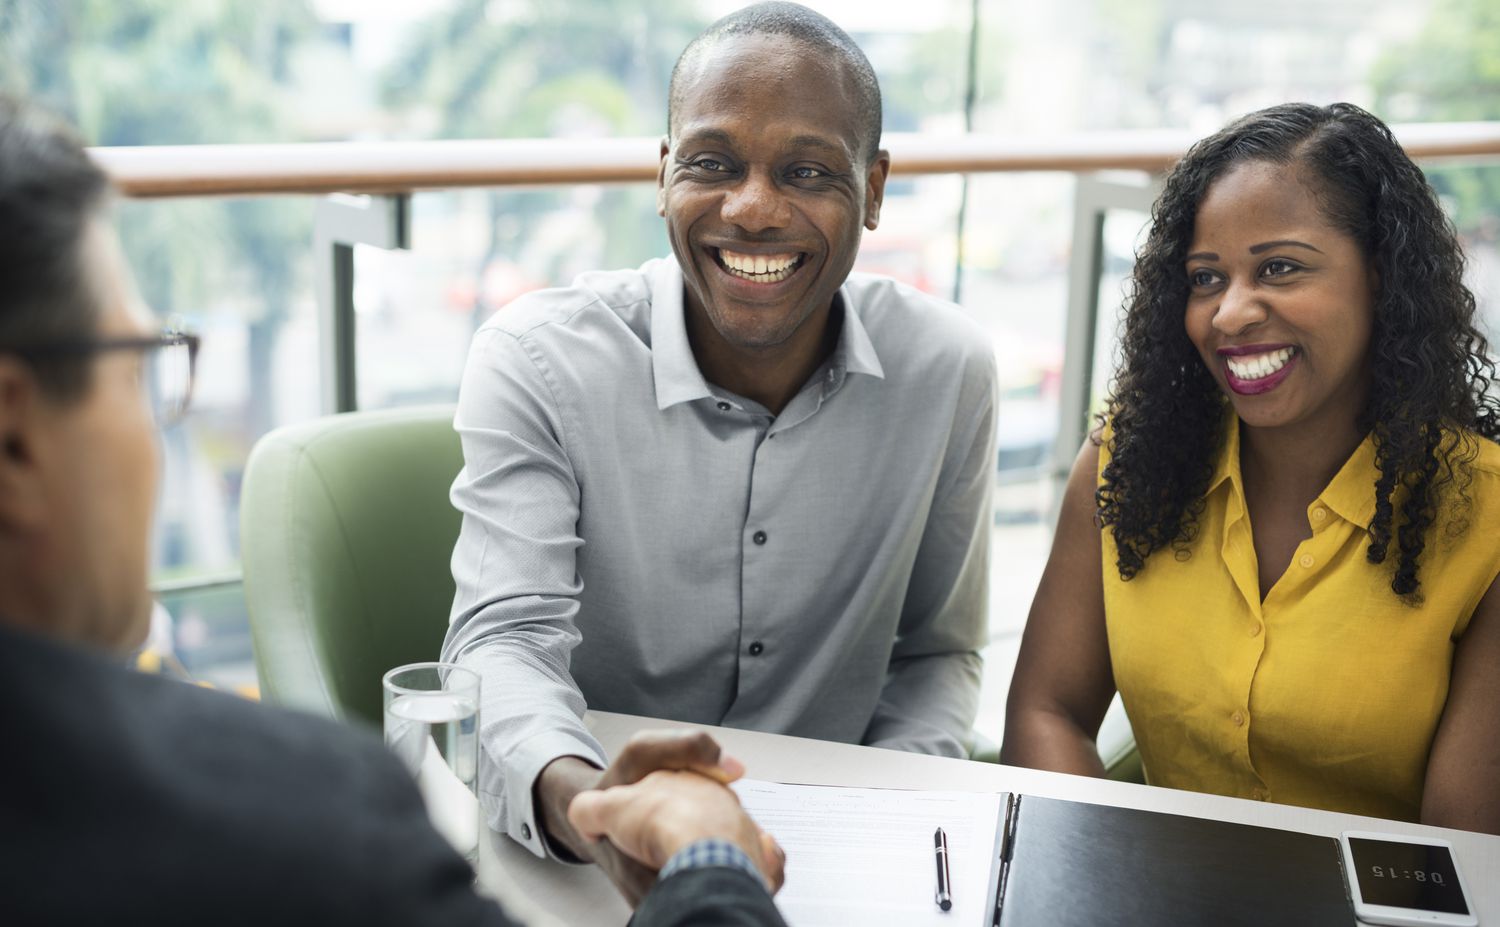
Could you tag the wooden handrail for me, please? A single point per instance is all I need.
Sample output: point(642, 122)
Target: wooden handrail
point(392, 167)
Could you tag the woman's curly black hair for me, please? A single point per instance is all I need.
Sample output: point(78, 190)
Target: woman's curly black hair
point(1430, 369)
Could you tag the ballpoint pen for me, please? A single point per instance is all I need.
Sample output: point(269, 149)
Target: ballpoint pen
point(944, 896)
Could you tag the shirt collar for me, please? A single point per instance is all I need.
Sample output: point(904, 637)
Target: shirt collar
point(855, 352)
point(675, 369)
point(1228, 467)
point(1351, 492)
point(678, 378)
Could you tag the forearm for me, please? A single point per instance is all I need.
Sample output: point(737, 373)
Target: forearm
point(531, 714)
point(517, 584)
point(928, 704)
point(722, 897)
point(1049, 739)
point(1481, 814)
point(931, 694)
point(1462, 788)
point(708, 896)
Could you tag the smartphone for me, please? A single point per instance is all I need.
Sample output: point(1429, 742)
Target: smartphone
point(1404, 881)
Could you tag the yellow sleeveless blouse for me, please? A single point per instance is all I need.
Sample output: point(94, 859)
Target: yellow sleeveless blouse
point(1328, 693)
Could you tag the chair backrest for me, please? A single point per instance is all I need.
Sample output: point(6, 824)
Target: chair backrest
point(346, 533)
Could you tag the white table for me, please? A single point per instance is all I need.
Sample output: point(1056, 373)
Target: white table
point(545, 892)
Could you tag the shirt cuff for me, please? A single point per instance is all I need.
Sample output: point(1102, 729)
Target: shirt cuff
point(708, 853)
point(521, 819)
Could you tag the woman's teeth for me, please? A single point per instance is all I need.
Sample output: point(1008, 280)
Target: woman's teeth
point(762, 268)
point(1258, 366)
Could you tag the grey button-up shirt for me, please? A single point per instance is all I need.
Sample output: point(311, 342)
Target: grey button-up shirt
point(639, 540)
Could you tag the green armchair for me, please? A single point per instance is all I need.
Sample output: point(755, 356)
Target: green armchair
point(346, 533)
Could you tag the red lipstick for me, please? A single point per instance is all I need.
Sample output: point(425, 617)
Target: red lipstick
point(1258, 385)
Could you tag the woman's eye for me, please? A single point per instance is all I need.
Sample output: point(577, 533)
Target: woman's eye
point(1278, 268)
point(1199, 278)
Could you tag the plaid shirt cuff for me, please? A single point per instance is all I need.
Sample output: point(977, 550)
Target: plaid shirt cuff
point(708, 853)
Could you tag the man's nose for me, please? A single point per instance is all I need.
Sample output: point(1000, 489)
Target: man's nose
point(1240, 308)
point(756, 204)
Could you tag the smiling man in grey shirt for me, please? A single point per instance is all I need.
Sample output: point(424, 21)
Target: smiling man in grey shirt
point(738, 486)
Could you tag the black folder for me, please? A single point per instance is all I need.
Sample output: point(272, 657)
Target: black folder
point(1070, 864)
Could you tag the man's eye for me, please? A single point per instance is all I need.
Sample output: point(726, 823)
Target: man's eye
point(708, 164)
point(806, 173)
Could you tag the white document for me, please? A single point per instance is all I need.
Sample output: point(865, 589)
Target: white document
point(865, 856)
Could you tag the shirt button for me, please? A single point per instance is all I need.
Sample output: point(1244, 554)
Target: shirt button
point(525, 831)
point(1307, 560)
point(724, 407)
point(757, 648)
point(1319, 514)
point(1259, 795)
point(759, 537)
point(1238, 718)
point(1255, 630)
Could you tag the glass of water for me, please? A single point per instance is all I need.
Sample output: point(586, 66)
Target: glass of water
point(432, 724)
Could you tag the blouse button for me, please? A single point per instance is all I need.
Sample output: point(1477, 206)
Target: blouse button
point(724, 407)
point(1255, 630)
point(1238, 718)
point(1259, 795)
point(1307, 560)
point(1319, 514)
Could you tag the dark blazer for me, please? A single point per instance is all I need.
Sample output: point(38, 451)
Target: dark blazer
point(132, 799)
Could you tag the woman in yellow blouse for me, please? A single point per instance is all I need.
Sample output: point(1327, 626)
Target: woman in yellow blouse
point(1282, 544)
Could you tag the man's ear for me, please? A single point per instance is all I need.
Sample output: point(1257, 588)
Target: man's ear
point(875, 176)
point(661, 176)
point(22, 500)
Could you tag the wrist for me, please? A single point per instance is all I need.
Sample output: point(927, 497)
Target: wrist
point(709, 852)
point(555, 788)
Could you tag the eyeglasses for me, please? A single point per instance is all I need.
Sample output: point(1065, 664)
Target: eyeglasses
point(171, 365)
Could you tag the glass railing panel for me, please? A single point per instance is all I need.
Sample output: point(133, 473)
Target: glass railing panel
point(239, 271)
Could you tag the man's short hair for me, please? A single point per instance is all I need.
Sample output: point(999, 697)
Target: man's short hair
point(49, 192)
point(800, 24)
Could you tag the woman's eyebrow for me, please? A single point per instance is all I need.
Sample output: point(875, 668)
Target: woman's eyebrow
point(1279, 243)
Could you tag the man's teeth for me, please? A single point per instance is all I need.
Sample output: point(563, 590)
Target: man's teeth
point(1258, 366)
point(762, 268)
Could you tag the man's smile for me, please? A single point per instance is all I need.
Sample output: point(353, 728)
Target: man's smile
point(758, 268)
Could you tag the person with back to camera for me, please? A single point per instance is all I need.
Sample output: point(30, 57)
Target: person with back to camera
point(1279, 545)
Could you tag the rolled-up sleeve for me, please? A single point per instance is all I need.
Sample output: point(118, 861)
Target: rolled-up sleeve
point(516, 578)
point(931, 693)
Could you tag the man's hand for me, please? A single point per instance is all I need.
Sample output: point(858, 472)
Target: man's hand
point(562, 779)
point(666, 811)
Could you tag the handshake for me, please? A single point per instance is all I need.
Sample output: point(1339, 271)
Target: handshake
point(666, 790)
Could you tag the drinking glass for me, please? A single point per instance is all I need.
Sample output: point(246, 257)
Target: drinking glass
point(432, 724)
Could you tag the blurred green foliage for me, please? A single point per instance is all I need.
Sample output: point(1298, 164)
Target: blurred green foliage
point(1450, 72)
point(168, 72)
point(488, 69)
